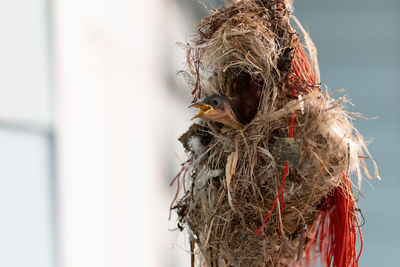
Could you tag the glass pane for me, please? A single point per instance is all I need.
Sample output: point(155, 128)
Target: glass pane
point(25, 201)
point(24, 77)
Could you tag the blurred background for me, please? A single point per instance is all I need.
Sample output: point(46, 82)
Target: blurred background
point(91, 109)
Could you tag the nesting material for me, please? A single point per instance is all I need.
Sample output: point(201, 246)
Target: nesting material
point(232, 179)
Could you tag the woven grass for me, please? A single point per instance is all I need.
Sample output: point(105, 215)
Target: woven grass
point(232, 177)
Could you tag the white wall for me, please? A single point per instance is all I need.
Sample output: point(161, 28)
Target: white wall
point(111, 123)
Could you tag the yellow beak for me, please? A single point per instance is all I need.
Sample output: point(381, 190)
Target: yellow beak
point(204, 109)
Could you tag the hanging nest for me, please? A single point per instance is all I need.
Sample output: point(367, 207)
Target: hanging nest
point(255, 196)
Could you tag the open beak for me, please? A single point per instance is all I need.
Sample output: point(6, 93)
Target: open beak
point(204, 110)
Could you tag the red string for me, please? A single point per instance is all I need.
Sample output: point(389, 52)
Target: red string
point(177, 189)
point(336, 233)
point(285, 171)
point(361, 239)
point(335, 229)
point(276, 198)
point(303, 71)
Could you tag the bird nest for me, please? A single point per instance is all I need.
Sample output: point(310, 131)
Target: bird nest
point(297, 145)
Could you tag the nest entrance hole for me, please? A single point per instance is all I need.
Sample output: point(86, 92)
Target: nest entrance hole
point(244, 93)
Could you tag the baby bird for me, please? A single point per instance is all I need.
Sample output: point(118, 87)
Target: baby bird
point(217, 108)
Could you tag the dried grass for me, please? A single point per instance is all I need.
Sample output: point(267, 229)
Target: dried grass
point(232, 184)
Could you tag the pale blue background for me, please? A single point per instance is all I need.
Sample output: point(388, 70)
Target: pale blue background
point(358, 44)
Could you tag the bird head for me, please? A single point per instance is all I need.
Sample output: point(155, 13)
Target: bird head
point(217, 108)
